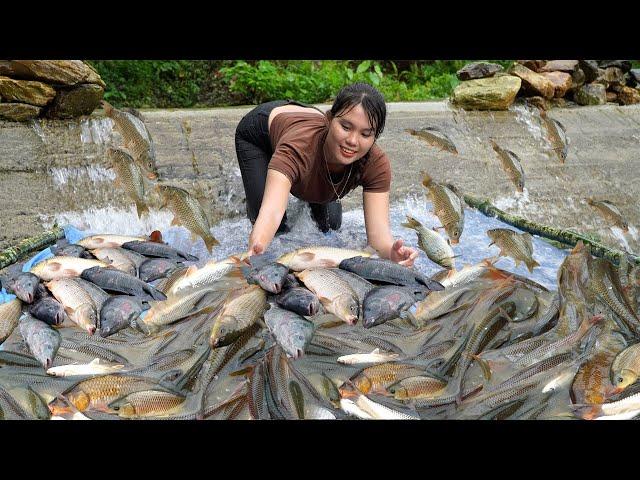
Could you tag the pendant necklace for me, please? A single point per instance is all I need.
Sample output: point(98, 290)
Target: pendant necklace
point(331, 181)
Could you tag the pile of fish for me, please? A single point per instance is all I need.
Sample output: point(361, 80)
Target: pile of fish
point(129, 327)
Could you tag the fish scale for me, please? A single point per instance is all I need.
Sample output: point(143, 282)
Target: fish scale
point(237, 315)
point(9, 316)
point(256, 397)
point(130, 177)
point(108, 241)
point(76, 301)
point(511, 165)
point(417, 386)
point(447, 206)
point(378, 378)
point(147, 403)
point(517, 246)
point(628, 359)
point(64, 267)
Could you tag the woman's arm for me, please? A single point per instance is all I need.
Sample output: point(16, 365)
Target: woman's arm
point(376, 218)
point(274, 204)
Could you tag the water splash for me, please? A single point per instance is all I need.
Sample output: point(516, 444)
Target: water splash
point(98, 131)
point(619, 234)
point(38, 129)
point(62, 176)
point(233, 235)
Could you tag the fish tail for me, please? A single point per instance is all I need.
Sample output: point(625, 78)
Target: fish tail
point(142, 208)
point(426, 179)
point(587, 411)
point(411, 223)
point(531, 264)
point(589, 201)
point(210, 241)
point(108, 108)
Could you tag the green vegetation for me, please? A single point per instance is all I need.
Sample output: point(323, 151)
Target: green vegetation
point(199, 83)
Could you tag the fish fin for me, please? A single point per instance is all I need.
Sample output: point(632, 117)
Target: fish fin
point(54, 266)
point(426, 179)
point(142, 208)
point(307, 256)
point(156, 236)
point(190, 271)
point(435, 229)
point(210, 241)
point(175, 221)
point(484, 365)
point(370, 250)
point(375, 351)
point(528, 239)
point(531, 264)
point(411, 223)
point(69, 271)
point(587, 411)
point(243, 371)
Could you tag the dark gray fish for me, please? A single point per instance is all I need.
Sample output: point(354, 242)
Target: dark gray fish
point(71, 251)
point(117, 313)
point(290, 281)
point(387, 271)
point(25, 286)
point(48, 310)
point(271, 277)
point(299, 300)
point(292, 331)
point(42, 340)
point(388, 302)
point(155, 268)
point(154, 249)
point(117, 281)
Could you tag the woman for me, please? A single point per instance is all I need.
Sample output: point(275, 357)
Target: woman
point(288, 147)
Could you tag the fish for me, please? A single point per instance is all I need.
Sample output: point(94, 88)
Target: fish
point(48, 310)
point(64, 267)
point(378, 378)
point(335, 295)
point(188, 213)
point(114, 280)
point(378, 411)
point(434, 137)
point(209, 273)
point(8, 358)
point(165, 285)
point(24, 286)
point(108, 241)
point(159, 250)
point(437, 249)
point(385, 303)
point(116, 259)
point(136, 138)
point(609, 212)
point(360, 285)
point(298, 399)
point(417, 387)
point(94, 367)
point(518, 246)
point(239, 313)
point(437, 304)
point(9, 317)
point(331, 392)
point(318, 257)
point(42, 340)
point(293, 332)
point(511, 165)
point(557, 135)
point(590, 412)
point(76, 301)
point(299, 300)
point(447, 206)
point(155, 268)
point(71, 251)
point(376, 356)
point(148, 403)
point(625, 369)
point(388, 271)
point(98, 295)
point(469, 273)
point(177, 307)
point(271, 277)
point(118, 312)
point(129, 177)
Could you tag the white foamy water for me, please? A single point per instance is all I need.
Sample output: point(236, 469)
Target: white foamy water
point(530, 118)
point(38, 129)
point(622, 238)
point(63, 175)
point(233, 235)
point(98, 131)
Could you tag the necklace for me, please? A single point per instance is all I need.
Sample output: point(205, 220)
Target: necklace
point(331, 181)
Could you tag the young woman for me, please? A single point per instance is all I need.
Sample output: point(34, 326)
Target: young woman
point(288, 147)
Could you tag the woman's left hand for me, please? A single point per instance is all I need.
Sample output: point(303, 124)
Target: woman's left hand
point(402, 255)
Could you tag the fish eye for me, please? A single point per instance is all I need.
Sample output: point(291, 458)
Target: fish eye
point(619, 379)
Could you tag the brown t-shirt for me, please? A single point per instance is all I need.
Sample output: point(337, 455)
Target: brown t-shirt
point(297, 139)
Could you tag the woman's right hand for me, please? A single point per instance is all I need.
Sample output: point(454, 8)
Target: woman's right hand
point(256, 248)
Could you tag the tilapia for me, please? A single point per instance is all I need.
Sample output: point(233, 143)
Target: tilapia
point(271, 277)
point(114, 280)
point(95, 367)
point(76, 301)
point(108, 241)
point(155, 268)
point(299, 300)
point(64, 267)
point(318, 257)
point(511, 165)
point(48, 310)
point(388, 271)
point(335, 295)
point(518, 246)
point(156, 249)
point(238, 314)
point(292, 331)
point(148, 403)
point(43, 341)
point(24, 286)
point(129, 177)
point(117, 313)
point(187, 212)
point(610, 212)
point(9, 317)
point(434, 137)
point(385, 303)
point(116, 259)
point(625, 369)
point(447, 206)
point(136, 138)
point(71, 251)
point(431, 243)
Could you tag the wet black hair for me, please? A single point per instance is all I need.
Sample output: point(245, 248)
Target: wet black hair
point(372, 102)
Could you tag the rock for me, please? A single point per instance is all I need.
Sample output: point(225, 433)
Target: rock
point(26, 91)
point(478, 70)
point(18, 112)
point(577, 79)
point(561, 82)
point(614, 76)
point(635, 75)
point(81, 100)
point(612, 97)
point(559, 102)
point(534, 65)
point(567, 66)
point(494, 93)
point(590, 69)
point(628, 96)
point(591, 94)
point(57, 72)
point(533, 82)
point(624, 65)
point(539, 102)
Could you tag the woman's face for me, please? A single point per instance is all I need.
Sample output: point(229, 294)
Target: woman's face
point(349, 138)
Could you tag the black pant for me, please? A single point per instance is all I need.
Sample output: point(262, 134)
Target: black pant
point(254, 151)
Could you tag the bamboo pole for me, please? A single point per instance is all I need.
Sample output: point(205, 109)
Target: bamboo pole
point(29, 245)
point(567, 237)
